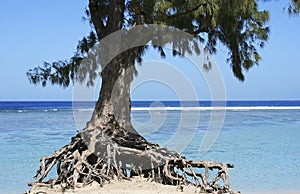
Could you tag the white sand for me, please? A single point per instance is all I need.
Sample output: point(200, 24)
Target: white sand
point(135, 186)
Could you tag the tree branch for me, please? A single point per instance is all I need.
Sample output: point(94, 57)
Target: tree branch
point(96, 19)
point(187, 11)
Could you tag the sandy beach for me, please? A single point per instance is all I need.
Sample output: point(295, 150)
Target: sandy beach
point(137, 186)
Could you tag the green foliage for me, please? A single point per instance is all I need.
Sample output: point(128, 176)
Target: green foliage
point(237, 24)
point(294, 7)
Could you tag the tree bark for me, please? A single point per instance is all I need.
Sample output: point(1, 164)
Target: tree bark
point(114, 97)
point(112, 113)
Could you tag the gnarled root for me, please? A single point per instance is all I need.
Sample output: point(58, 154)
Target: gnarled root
point(99, 158)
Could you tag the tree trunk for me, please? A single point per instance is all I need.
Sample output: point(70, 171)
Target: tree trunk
point(114, 99)
point(112, 113)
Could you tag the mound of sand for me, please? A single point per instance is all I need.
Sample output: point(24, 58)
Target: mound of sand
point(134, 186)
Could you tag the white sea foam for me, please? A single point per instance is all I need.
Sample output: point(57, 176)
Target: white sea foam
point(233, 108)
point(84, 109)
point(200, 108)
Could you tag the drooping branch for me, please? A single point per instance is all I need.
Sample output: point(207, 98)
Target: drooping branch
point(186, 12)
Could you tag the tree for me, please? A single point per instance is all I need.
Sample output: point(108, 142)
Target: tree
point(102, 150)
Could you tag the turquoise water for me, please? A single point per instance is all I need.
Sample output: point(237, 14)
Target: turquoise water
point(262, 144)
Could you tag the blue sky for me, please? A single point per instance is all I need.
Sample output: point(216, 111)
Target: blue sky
point(34, 31)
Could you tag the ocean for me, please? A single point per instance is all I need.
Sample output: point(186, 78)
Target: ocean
point(261, 138)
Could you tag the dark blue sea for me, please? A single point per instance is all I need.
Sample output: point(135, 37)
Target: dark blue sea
point(261, 138)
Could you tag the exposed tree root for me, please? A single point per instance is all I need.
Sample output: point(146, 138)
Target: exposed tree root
point(97, 157)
